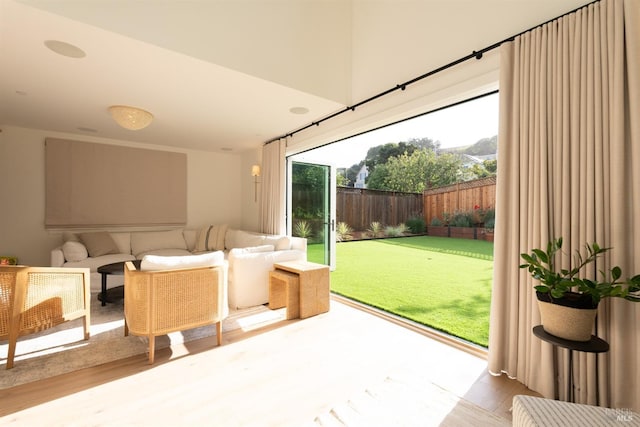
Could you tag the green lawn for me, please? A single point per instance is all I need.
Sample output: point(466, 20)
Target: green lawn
point(441, 282)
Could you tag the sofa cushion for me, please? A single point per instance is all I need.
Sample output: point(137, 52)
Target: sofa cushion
point(165, 252)
point(146, 241)
point(281, 243)
point(74, 251)
point(99, 243)
point(211, 238)
point(242, 239)
point(253, 249)
point(158, 262)
point(93, 263)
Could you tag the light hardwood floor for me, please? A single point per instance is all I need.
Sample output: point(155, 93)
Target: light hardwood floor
point(288, 373)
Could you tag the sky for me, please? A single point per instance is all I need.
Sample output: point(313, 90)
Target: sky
point(456, 126)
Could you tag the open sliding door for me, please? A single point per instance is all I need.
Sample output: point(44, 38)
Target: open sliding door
point(311, 208)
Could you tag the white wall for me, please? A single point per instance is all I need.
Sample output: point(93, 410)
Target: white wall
point(218, 184)
point(464, 81)
point(250, 206)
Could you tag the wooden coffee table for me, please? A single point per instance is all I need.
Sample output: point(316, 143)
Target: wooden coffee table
point(116, 268)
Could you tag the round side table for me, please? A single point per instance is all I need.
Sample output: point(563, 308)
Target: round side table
point(594, 345)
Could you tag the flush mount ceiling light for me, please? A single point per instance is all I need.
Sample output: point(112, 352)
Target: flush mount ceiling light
point(131, 118)
point(65, 49)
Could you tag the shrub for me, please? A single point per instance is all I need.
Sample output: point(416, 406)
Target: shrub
point(343, 232)
point(302, 229)
point(461, 219)
point(490, 224)
point(436, 222)
point(402, 228)
point(396, 231)
point(375, 229)
point(489, 216)
point(391, 231)
point(417, 225)
point(446, 217)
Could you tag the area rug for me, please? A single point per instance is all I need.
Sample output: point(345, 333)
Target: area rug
point(408, 402)
point(61, 349)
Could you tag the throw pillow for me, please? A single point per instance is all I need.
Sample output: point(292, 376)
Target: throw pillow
point(74, 251)
point(211, 238)
point(158, 262)
point(99, 243)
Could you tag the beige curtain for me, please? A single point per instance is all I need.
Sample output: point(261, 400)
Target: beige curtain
point(569, 156)
point(272, 202)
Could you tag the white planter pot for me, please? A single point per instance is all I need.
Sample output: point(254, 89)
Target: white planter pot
point(575, 324)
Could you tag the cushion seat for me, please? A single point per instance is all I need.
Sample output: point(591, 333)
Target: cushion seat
point(93, 263)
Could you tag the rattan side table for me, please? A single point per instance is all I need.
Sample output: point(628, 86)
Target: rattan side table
point(302, 287)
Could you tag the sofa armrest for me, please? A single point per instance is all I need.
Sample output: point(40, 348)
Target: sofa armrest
point(299, 243)
point(249, 275)
point(57, 257)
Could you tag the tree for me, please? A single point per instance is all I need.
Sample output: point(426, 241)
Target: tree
point(341, 179)
point(408, 172)
point(376, 179)
point(415, 172)
point(308, 175)
point(426, 143)
point(444, 171)
point(491, 166)
point(380, 154)
point(352, 173)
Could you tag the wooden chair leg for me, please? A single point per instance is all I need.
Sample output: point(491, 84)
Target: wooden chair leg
point(14, 332)
point(85, 323)
point(12, 352)
point(152, 349)
point(219, 332)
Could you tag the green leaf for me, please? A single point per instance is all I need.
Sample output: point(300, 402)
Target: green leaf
point(542, 255)
point(528, 258)
point(616, 273)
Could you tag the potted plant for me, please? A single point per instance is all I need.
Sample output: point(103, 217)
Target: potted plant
point(568, 303)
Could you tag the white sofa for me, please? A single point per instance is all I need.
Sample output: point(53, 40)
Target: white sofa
point(249, 256)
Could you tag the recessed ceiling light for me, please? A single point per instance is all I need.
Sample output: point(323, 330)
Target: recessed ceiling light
point(298, 110)
point(65, 49)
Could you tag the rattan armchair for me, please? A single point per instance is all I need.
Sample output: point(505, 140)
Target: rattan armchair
point(33, 299)
point(159, 302)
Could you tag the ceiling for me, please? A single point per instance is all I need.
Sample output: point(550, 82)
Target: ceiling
point(223, 75)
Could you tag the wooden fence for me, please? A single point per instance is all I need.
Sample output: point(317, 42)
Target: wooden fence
point(360, 207)
point(464, 196)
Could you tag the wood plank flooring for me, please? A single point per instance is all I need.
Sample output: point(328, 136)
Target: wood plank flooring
point(284, 374)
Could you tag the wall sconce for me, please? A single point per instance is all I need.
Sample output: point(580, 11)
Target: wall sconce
point(255, 173)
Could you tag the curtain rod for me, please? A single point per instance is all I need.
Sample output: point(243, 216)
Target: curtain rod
point(402, 86)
